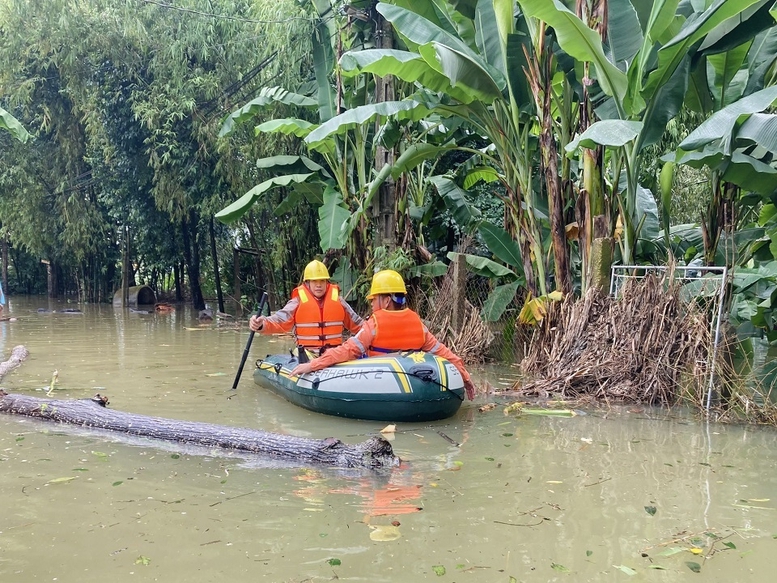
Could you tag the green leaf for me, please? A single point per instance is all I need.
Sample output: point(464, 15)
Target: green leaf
point(628, 570)
point(435, 269)
point(400, 110)
point(63, 480)
point(439, 570)
point(484, 266)
point(559, 568)
point(334, 562)
point(10, 123)
point(141, 560)
point(580, 42)
point(614, 133)
point(267, 96)
point(242, 205)
point(502, 245)
point(417, 154)
point(650, 510)
point(323, 65)
point(405, 65)
point(465, 215)
point(485, 173)
point(290, 164)
point(729, 545)
point(467, 74)
point(589, 553)
point(498, 301)
point(486, 28)
point(721, 123)
point(693, 566)
point(670, 55)
point(332, 217)
point(118, 483)
point(289, 126)
point(659, 567)
point(420, 31)
point(671, 551)
point(624, 34)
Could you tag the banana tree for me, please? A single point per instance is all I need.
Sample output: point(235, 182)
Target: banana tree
point(469, 66)
point(646, 88)
point(10, 123)
point(733, 77)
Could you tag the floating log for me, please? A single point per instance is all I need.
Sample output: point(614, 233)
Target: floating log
point(18, 355)
point(376, 452)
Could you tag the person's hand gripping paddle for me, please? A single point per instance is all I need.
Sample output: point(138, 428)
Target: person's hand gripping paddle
point(259, 311)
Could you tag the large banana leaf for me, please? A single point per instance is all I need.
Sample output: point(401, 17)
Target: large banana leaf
point(417, 154)
point(729, 75)
point(738, 168)
point(759, 129)
point(501, 244)
point(624, 35)
point(672, 53)
point(422, 32)
point(489, 44)
point(465, 215)
point(580, 42)
point(434, 269)
point(608, 132)
point(484, 266)
point(10, 123)
point(410, 67)
point(323, 64)
point(291, 164)
point(267, 96)
point(721, 123)
point(242, 205)
point(332, 218)
point(499, 300)
point(466, 73)
point(665, 104)
point(288, 126)
point(357, 116)
point(762, 56)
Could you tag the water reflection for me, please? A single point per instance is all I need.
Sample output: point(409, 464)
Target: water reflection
point(535, 498)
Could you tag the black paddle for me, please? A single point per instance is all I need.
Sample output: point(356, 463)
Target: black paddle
point(262, 302)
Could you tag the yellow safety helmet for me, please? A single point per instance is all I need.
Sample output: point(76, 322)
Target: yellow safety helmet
point(387, 281)
point(315, 270)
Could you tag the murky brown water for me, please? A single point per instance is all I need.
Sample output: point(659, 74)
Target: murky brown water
point(534, 498)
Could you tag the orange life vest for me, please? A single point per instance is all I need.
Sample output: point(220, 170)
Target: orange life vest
point(396, 330)
point(319, 323)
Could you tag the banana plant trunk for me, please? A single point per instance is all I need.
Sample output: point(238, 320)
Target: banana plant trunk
point(384, 212)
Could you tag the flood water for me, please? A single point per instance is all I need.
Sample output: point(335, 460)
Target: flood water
point(625, 494)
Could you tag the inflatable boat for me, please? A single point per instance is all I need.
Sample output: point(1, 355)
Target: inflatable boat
point(400, 387)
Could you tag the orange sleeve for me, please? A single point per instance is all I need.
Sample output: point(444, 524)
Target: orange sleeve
point(434, 346)
point(351, 349)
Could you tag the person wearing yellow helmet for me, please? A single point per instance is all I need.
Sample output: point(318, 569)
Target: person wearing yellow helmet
point(392, 327)
point(316, 313)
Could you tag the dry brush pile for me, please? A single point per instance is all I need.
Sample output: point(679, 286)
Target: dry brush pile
point(472, 340)
point(648, 346)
